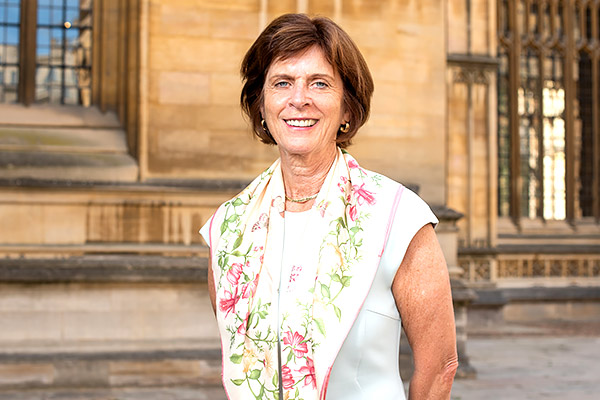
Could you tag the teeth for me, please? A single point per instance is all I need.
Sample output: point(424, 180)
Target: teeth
point(301, 122)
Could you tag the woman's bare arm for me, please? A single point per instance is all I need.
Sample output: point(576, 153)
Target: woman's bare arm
point(421, 289)
point(211, 286)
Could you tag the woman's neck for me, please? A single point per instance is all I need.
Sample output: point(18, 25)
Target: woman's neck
point(303, 176)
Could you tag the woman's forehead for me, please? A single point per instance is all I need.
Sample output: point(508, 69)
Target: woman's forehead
point(310, 60)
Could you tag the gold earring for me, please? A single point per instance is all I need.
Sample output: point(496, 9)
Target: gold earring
point(264, 125)
point(344, 128)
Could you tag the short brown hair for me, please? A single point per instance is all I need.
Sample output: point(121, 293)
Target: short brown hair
point(291, 34)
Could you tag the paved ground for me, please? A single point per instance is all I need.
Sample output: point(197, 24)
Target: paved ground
point(550, 362)
point(120, 394)
point(554, 360)
point(566, 368)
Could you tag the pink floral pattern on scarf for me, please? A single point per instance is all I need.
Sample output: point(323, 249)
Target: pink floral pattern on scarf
point(244, 261)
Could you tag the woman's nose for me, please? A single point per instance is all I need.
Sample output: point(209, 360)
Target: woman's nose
point(300, 96)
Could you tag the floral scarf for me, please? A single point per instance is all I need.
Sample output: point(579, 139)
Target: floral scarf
point(348, 234)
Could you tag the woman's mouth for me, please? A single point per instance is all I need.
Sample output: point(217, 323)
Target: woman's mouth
point(301, 123)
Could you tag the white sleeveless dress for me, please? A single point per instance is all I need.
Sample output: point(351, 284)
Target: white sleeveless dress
point(366, 366)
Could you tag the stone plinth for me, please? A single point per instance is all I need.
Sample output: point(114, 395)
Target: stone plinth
point(462, 295)
point(106, 321)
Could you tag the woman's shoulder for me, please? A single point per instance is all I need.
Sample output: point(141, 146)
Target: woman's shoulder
point(411, 214)
point(414, 207)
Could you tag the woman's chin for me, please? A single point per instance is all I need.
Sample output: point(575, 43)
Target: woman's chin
point(303, 149)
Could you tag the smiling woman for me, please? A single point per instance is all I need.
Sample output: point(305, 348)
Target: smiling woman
point(303, 105)
point(316, 263)
point(280, 42)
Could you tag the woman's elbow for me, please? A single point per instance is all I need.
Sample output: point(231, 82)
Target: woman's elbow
point(449, 370)
point(433, 383)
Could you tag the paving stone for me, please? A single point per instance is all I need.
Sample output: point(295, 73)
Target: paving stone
point(532, 368)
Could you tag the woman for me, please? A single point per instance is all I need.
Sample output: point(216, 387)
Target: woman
point(313, 264)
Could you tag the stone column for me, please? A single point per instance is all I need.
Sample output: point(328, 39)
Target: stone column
point(462, 296)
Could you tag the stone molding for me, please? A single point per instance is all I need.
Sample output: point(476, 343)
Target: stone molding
point(105, 269)
point(149, 185)
point(498, 297)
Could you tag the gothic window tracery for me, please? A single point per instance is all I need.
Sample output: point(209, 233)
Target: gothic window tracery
point(548, 109)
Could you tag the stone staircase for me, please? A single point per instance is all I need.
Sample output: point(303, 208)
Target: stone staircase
point(104, 286)
point(44, 143)
point(116, 366)
point(106, 321)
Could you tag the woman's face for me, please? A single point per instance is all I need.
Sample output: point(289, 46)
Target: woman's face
point(303, 103)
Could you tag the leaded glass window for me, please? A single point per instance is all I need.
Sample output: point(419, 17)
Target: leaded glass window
point(548, 109)
point(63, 52)
point(9, 50)
point(46, 51)
point(586, 28)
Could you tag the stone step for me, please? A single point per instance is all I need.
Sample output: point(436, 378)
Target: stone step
point(194, 365)
point(73, 146)
point(189, 266)
point(106, 320)
point(71, 140)
point(85, 317)
point(76, 166)
point(125, 393)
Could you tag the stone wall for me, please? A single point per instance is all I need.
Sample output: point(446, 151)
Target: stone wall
point(94, 315)
point(195, 126)
point(471, 102)
point(112, 215)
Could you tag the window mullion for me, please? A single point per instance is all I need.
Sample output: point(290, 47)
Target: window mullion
point(539, 116)
point(569, 82)
point(513, 82)
point(97, 53)
point(595, 55)
point(27, 50)
point(63, 61)
point(596, 137)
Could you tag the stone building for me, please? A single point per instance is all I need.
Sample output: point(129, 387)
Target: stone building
point(121, 132)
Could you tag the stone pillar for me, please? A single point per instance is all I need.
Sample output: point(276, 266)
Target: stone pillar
point(462, 296)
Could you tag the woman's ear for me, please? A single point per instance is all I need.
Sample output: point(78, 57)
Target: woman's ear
point(346, 117)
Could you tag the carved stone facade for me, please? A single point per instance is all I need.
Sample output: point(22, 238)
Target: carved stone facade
point(102, 203)
point(510, 143)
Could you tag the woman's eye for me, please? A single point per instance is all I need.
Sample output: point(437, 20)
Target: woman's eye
point(281, 84)
point(321, 84)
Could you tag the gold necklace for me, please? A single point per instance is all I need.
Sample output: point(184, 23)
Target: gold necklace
point(301, 200)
